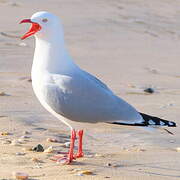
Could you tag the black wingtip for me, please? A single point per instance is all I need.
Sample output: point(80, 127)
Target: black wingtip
point(149, 121)
point(152, 120)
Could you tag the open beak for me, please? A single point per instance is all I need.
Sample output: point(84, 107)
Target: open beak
point(35, 27)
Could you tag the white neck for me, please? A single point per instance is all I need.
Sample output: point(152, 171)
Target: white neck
point(51, 55)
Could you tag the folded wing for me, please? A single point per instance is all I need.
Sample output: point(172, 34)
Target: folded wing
point(84, 98)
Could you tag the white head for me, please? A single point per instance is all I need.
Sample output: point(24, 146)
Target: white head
point(44, 25)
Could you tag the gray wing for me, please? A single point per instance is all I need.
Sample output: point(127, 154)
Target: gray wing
point(84, 98)
point(96, 80)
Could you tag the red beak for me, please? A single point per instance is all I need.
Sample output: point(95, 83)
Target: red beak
point(35, 27)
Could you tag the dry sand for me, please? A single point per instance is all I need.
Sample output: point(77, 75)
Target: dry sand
point(130, 45)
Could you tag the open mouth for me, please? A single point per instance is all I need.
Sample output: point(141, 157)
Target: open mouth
point(35, 27)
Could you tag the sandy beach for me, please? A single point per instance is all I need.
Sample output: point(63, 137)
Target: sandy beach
point(130, 45)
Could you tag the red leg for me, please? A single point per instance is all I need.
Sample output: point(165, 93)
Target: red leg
point(71, 149)
point(80, 152)
point(68, 158)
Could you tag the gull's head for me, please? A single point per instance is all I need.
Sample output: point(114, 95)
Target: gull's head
point(43, 24)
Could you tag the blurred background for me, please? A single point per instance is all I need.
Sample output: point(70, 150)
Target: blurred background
point(131, 45)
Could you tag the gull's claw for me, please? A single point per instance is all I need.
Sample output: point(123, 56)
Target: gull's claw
point(79, 155)
point(64, 161)
point(58, 156)
point(66, 158)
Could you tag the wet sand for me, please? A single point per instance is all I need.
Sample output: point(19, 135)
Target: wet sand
point(130, 45)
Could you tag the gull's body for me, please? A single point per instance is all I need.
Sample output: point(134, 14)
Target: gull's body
point(66, 90)
point(70, 93)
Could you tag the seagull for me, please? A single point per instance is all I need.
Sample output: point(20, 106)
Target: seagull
point(70, 93)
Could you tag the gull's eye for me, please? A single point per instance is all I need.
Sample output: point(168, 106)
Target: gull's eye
point(44, 20)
